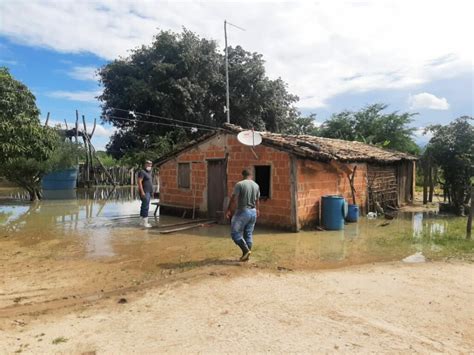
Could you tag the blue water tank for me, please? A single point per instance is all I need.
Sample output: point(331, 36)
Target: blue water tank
point(352, 213)
point(333, 212)
point(60, 180)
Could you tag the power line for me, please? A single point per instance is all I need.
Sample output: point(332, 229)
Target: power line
point(159, 123)
point(132, 112)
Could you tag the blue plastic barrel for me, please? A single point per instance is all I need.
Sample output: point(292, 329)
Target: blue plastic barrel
point(352, 213)
point(333, 213)
point(60, 180)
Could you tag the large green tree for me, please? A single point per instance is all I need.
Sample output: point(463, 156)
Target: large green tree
point(25, 145)
point(372, 125)
point(182, 76)
point(452, 149)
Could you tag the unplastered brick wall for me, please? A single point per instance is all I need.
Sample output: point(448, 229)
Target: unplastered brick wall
point(382, 180)
point(171, 193)
point(276, 210)
point(316, 179)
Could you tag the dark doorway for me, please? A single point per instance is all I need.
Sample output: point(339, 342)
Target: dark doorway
point(263, 175)
point(216, 186)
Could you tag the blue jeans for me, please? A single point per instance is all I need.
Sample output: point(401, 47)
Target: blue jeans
point(145, 204)
point(242, 225)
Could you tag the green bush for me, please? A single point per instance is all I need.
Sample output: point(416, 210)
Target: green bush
point(65, 155)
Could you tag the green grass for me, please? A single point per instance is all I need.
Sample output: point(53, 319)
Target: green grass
point(451, 243)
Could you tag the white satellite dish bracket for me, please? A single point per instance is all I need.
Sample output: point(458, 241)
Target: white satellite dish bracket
point(251, 139)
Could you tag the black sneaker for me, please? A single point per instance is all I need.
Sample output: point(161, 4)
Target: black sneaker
point(245, 256)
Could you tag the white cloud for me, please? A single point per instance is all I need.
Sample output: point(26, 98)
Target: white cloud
point(82, 96)
point(102, 131)
point(421, 136)
point(83, 73)
point(426, 100)
point(321, 49)
point(8, 62)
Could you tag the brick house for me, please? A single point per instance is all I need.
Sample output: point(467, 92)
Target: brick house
point(293, 173)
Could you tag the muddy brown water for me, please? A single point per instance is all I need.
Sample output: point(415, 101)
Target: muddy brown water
point(93, 245)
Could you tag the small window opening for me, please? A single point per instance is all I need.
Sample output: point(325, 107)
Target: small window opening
point(184, 175)
point(263, 179)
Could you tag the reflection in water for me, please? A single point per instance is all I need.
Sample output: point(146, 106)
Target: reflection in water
point(89, 216)
point(59, 194)
point(417, 225)
point(103, 223)
point(422, 223)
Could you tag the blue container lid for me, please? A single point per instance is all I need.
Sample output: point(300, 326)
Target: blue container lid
point(333, 196)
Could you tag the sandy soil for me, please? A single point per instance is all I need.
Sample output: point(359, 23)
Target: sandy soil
point(390, 308)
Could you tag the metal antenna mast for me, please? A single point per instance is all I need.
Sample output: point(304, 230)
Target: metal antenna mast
point(227, 104)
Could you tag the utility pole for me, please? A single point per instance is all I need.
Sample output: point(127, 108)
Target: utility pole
point(227, 100)
point(227, 105)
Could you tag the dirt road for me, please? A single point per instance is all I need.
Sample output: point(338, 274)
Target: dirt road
point(391, 308)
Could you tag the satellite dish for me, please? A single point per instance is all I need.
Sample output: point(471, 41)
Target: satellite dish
point(250, 138)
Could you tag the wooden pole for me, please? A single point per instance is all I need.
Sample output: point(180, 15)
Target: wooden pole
point(431, 183)
point(469, 219)
point(93, 128)
point(84, 123)
point(66, 124)
point(351, 183)
point(77, 124)
point(90, 150)
point(47, 120)
point(86, 146)
point(107, 173)
point(425, 183)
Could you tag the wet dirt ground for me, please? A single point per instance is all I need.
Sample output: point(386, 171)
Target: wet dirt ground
point(63, 257)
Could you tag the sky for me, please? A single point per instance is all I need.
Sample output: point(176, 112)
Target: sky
point(414, 55)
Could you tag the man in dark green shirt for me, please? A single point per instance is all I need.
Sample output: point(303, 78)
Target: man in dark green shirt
point(145, 189)
point(247, 195)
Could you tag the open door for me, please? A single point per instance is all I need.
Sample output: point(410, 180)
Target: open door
point(216, 186)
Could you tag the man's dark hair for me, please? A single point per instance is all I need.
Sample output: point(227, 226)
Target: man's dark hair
point(246, 173)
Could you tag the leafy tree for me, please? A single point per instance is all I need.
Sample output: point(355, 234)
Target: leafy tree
point(452, 149)
point(303, 125)
point(372, 125)
point(107, 160)
point(65, 154)
point(25, 145)
point(182, 76)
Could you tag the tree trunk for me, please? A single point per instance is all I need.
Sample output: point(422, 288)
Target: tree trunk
point(431, 184)
point(425, 183)
point(34, 193)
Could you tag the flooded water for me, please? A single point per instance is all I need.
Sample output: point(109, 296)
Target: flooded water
point(103, 224)
point(64, 252)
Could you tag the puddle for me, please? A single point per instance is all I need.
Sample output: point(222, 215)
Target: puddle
point(101, 224)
